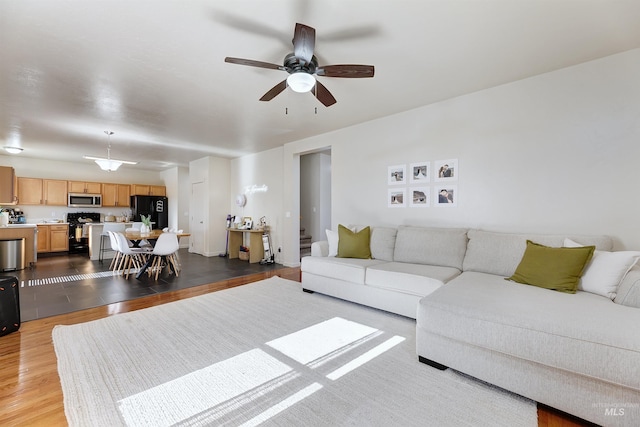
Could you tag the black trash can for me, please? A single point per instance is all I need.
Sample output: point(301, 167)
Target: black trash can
point(9, 305)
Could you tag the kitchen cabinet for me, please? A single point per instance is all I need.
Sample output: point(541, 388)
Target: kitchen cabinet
point(37, 191)
point(8, 186)
point(84, 187)
point(148, 190)
point(29, 191)
point(53, 238)
point(59, 238)
point(54, 192)
point(116, 195)
point(43, 238)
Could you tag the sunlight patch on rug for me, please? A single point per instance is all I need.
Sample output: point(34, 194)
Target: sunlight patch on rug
point(322, 339)
point(194, 393)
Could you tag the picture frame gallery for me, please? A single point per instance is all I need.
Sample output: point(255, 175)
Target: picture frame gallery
point(408, 186)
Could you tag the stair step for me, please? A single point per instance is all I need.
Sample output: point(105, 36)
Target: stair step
point(305, 253)
point(305, 246)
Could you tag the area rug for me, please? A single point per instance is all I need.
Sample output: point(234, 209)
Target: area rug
point(266, 353)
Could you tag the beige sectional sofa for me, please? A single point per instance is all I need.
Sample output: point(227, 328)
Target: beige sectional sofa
point(579, 353)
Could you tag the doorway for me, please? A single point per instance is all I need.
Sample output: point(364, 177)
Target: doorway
point(315, 198)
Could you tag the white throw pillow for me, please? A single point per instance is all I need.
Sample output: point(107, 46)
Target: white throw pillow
point(332, 238)
point(605, 271)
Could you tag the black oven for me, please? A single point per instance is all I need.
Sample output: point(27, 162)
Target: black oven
point(78, 240)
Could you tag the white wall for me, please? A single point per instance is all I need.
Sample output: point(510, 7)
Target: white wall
point(556, 153)
point(252, 175)
point(176, 181)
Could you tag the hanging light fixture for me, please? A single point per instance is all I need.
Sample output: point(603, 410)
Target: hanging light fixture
point(13, 150)
point(109, 164)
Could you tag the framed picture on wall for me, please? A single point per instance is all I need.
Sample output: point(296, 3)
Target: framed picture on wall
point(446, 170)
point(419, 173)
point(397, 174)
point(419, 197)
point(445, 195)
point(397, 197)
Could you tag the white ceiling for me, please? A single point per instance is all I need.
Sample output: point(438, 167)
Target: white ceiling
point(153, 72)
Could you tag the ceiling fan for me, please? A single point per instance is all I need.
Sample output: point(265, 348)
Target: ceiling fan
point(302, 67)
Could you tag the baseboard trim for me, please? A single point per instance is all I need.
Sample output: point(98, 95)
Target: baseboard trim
point(433, 364)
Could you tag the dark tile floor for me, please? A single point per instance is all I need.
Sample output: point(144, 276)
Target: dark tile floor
point(66, 283)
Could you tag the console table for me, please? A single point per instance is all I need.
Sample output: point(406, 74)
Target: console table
point(256, 248)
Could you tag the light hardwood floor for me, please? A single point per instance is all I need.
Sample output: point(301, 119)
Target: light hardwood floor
point(30, 393)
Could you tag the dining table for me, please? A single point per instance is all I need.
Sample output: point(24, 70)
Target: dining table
point(135, 236)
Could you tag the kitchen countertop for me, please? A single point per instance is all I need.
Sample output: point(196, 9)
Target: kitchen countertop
point(19, 226)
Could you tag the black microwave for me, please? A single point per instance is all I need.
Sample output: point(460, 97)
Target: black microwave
point(84, 200)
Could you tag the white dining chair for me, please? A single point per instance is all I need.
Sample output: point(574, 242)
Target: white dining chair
point(166, 247)
point(115, 247)
point(135, 226)
point(105, 236)
point(131, 256)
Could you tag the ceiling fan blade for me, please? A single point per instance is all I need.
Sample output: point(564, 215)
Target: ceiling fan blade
point(323, 94)
point(252, 63)
point(274, 91)
point(347, 70)
point(304, 41)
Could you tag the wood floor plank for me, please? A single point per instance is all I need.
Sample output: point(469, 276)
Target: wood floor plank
point(30, 391)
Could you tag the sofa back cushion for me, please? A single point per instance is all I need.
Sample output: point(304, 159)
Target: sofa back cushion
point(433, 246)
point(383, 243)
point(500, 253)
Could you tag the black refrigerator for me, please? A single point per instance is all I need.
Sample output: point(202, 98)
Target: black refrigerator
point(156, 206)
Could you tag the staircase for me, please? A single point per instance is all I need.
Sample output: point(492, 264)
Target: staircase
point(305, 244)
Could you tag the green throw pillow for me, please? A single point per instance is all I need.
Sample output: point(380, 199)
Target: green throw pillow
point(352, 244)
point(552, 268)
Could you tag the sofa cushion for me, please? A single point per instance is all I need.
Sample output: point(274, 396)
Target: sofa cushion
point(332, 240)
point(353, 244)
point(383, 242)
point(580, 333)
point(558, 269)
point(347, 269)
point(605, 271)
point(414, 279)
point(433, 246)
point(500, 253)
point(629, 289)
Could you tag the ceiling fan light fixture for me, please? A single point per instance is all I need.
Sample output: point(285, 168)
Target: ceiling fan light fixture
point(301, 82)
point(12, 150)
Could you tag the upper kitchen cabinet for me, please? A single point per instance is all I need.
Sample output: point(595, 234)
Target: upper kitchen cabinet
point(55, 192)
point(85, 187)
point(36, 191)
point(29, 191)
point(8, 186)
point(148, 190)
point(116, 195)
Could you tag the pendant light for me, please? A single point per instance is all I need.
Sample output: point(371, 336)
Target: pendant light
point(109, 164)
